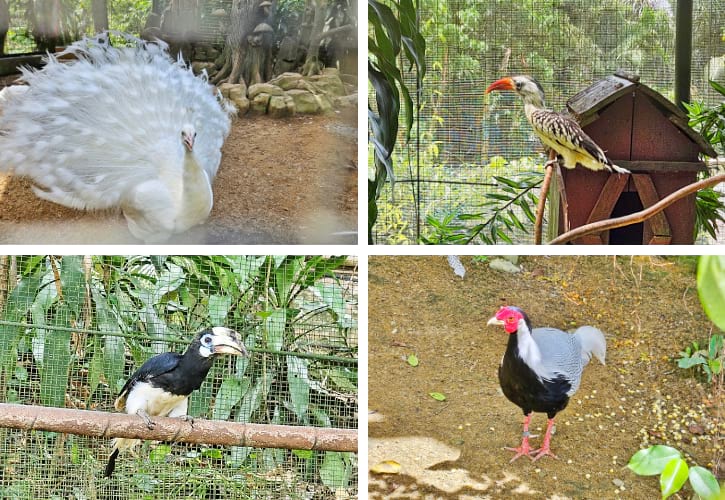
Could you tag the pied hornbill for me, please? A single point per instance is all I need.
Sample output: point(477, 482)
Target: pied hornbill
point(556, 130)
point(161, 387)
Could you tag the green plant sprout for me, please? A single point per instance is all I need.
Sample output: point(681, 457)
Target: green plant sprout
point(674, 472)
point(708, 361)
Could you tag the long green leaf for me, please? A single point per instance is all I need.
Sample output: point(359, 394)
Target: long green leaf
point(711, 287)
point(673, 477)
point(299, 387)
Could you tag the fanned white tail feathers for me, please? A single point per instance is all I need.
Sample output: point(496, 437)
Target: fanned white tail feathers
point(593, 343)
point(89, 131)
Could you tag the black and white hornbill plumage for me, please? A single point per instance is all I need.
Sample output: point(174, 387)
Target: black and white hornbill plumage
point(161, 387)
point(542, 368)
point(557, 131)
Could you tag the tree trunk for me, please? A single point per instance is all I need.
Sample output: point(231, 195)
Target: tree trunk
point(312, 64)
point(242, 22)
point(46, 24)
point(100, 15)
point(4, 24)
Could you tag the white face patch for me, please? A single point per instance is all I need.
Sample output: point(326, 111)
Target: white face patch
point(154, 401)
point(207, 345)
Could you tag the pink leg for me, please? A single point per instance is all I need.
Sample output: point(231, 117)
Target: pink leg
point(544, 450)
point(524, 449)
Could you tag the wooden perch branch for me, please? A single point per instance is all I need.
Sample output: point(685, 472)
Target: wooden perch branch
point(604, 225)
point(109, 425)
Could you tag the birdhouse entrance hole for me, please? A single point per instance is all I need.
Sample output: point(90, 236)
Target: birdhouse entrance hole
point(628, 203)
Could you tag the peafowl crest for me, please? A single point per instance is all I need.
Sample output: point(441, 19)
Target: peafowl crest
point(118, 127)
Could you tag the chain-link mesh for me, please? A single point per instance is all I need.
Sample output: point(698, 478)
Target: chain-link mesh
point(74, 328)
point(463, 138)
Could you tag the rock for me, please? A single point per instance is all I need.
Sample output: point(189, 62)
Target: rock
point(329, 83)
point(281, 106)
point(259, 103)
point(345, 101)
point(198, 66)
point(305, 102)
point(237, 91)
point(618, 483)
point(266, 88)
point(224, 88)
point(287, 81)
point(503, 265)
point(242, 104)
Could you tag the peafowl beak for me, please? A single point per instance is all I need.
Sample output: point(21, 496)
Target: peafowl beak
point(188, 134)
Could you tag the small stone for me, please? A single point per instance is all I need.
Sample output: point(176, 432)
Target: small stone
point(618, 483)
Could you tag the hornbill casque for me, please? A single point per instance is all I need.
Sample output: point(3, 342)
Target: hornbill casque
point(161, 387)
point(556, 130)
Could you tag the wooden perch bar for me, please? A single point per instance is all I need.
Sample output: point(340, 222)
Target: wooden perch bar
point(110, 425)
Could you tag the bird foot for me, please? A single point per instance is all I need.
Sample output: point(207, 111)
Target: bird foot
point(542, 452)
point(523, 450)
point(551, 163)
point(188, 418)
point(145, 417)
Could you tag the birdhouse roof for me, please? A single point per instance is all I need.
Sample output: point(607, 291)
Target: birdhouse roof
point(585, 105)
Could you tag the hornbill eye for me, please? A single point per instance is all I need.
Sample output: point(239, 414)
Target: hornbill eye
point(206, 340)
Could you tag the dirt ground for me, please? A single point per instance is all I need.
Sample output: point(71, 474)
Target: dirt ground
point(281, 181)
point(647, 307)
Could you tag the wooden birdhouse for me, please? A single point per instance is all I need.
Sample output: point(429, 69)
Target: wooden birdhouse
point(645, 133)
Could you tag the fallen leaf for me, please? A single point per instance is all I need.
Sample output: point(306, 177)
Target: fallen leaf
point(386, 467)
point(413, 360)
point(437, 396)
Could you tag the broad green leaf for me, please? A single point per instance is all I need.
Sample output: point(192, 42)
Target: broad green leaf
point(215, 453)
point(413, 360)
point(57, 357)
point(228, 395)
point(711, 287)
point(437, 396)
point(275, 325)
point(299, 387)
point(218, 308)
point(690, 362)
point(159, 454)
point(95, 367)
point(651, 461)
point(252, 400)
point(73, 282)
point(304, 454)
point(113, 348)
point(704, 483)
point(333, 472)
point(673, 477)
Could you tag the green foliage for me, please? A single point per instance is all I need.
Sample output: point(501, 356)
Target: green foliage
point(709, 360)
point(504, 213)
point(711, 287)
point(390, 34)
point(674, 472)
point(710, 121)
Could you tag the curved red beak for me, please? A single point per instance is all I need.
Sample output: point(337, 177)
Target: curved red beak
point(502, 84)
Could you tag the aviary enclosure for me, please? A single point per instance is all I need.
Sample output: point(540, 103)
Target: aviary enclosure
point(74, 328)
point(466, 174)
point(288, 68)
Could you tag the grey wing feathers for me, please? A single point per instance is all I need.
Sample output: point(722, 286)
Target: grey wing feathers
point(560, 354)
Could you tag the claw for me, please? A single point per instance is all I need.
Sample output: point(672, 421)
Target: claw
point(145, 417)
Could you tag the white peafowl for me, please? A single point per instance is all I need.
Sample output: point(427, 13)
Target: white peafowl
point(123, 127)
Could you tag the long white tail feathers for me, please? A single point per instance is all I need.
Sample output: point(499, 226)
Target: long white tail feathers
point(593, 343)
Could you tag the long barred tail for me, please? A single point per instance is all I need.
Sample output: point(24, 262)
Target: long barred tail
point(118, 444)
point(592, 342)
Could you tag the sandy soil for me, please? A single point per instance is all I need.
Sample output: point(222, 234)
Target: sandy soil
point(648, 309)
point(281, 181)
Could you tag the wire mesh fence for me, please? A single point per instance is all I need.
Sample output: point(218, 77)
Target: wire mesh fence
point(463, 138)
point(74, 329)
point(71, 19)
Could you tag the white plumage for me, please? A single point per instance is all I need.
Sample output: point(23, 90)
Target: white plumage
point(120, 127)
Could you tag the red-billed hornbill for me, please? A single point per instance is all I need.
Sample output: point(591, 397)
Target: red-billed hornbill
point(542, 368)
point(557, 131)
point(161, 387)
